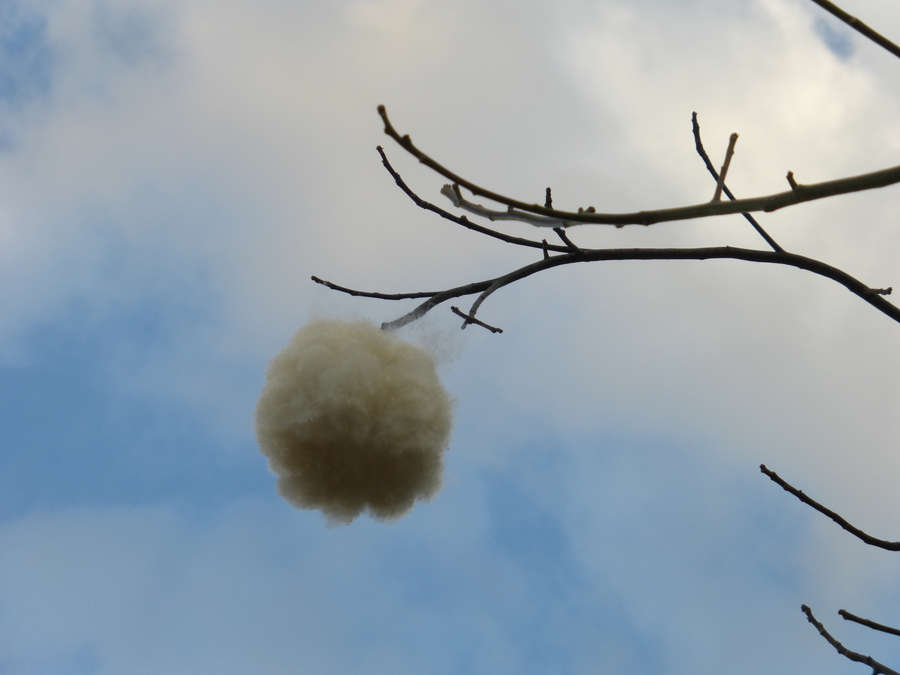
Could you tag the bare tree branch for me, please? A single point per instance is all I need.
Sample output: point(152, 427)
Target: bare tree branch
point(855, 531)
point(802, 193)
point(869, 624)
point(556, 256)
point(715, 174)
point(487, 287)
point(571, 253)
point(843, 651)
point(460, 220)
point(859, 26)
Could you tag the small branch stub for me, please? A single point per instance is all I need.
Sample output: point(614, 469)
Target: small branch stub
point(791, 181)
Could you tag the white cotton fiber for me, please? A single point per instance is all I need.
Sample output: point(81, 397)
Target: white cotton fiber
point(353, 419)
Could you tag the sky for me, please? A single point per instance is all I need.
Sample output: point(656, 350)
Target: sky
point(172, 172)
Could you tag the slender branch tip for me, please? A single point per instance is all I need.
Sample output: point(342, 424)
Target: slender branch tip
point(729, 153)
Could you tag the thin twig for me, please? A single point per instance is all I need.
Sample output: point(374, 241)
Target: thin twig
point(434, 301)
point(471, 319)
point(843, 651)
point(379, 296)
point(868, 624)
point(803, 193)
point(561, 233)
point(715, 174)
point(720, 181)
point(859, 26)
point(487, 287)
point(459, 220)
point(855, 531)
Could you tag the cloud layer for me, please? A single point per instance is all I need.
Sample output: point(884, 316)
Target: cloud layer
point(172, 173)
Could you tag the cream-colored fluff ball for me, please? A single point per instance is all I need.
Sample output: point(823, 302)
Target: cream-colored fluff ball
point(353, 419)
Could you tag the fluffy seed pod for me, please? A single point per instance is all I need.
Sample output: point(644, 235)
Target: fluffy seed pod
point(353, 419)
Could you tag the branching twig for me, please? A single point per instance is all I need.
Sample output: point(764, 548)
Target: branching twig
point(471, 319)
point(571, 253)
point(868, 624)
point(843, 651)
point(486, 288)
point(715, 174)
point(803, 193)
point(459, 220)
point(855, 531)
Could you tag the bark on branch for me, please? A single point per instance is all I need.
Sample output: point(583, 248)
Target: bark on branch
point(855, 531)
point(800, 194)
point(868, 624)
point(877, 668)
point(859, 26)
point(489, 286)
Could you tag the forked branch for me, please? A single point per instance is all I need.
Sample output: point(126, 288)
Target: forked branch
point(843, 651)
point(698, 142)
point(571, 253)
point(800, 194)
point(489, 286)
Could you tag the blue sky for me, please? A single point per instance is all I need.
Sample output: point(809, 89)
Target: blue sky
point(172, 173)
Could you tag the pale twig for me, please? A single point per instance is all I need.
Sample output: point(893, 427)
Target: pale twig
point(452, 193)
point(877, 668)
point(720, 182)
point(803, 193)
